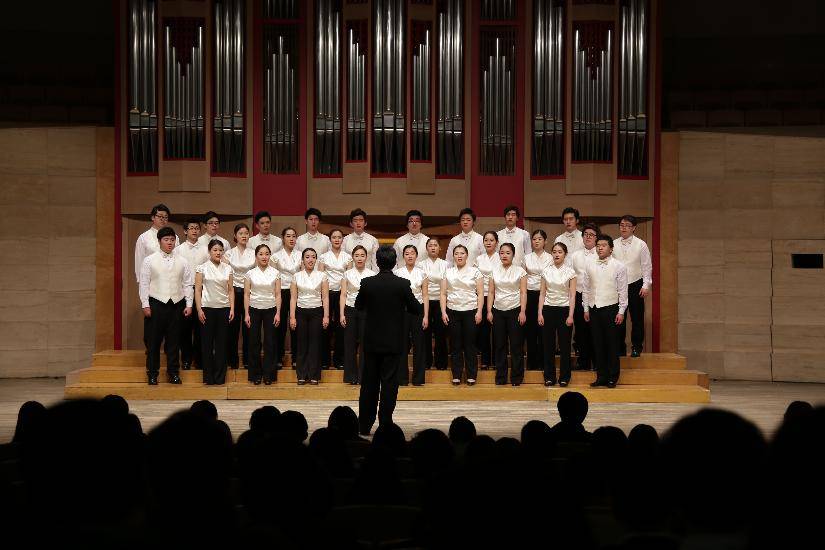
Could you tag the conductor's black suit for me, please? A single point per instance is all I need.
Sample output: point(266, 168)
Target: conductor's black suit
point(385, 299)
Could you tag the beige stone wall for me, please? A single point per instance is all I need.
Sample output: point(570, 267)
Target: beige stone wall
point(48, 179)
point(746, 202)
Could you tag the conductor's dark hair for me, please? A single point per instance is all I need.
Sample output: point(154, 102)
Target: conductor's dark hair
point(541, 232)
point(629, 218)
point(560, 245)
point(572, 407)
point(512, 208)
point(214, 242)
point(591, 226)
point(415, 213)
point(357, 212)
point(468, 211)
point(165, 232)
point(409, 246)
point(262, 214)
point(606, 238)
point(386, 257)
point(312, 211)
point(570, 210)
point(160, 208)
point(209, 215)
point(190, 221)
point(511, 246)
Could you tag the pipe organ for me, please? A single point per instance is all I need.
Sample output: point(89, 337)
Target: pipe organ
point(142, 147)
point(389, 87)
point(228, 89)
point(633, 68)
point(183, 88)
point(450, 100)
point(327, 88)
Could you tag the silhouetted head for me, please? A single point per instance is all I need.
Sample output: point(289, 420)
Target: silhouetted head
point(537, 439)
point(294, 426)
point(29, 417)
point(206, 408)
point(115, 404)
point(328, 447)
point(392, 437)
point(462, 430)
point(265, 419)
point(572, 407)
point(643, 440)
point(344, 419)
point(798, 409)
point(431, 452)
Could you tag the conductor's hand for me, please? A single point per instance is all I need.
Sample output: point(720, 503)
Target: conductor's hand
point(147, 312)
point(325, 321)
point(619, 319)
point(247, 321)
point(292, 323)
point(445, 318)
point(202, 316)
point(187, 311)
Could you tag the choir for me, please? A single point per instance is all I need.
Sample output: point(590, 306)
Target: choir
point(493, 297)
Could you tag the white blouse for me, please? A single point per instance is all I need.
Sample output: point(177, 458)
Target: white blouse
point(287, 264)
point(534, 265)
point(434, 271)
point(354, 278)
point(557, 280)
point(309, 288)
point(485, 265)
point(262, 287)
point(461, 288)
point(508, 286)
point(241, 262)
point(416, 277)
point(334, 267)
point(215, 291)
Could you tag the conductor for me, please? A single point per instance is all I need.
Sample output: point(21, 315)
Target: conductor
point(385, 299)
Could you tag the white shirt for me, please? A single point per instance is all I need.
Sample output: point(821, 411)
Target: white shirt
point(461, 288)
point(434, 270)
point(635, 255)
point(165, 277)
point(520, 238)
point(572, 240)
point(534, 265)
point(508, 286)
point(485, 265)
point(215, 287)
point(557, 281)
point(578, 261)
point(241, 262)
point(416, 277)
point(309, 288)
point(272, 241)
point(318, 242)
point(287, 265)
point(262, 287)
point(354, 278)
point(334, 267)
point(367, 241)
point(474, 243)
point(205, 238)
point(195, 254)
point(146, 245)
point(418, 241)
point(605, 283)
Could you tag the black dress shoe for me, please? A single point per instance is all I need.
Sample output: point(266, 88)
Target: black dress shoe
point(353, 383)
point(185, 366)
point(301, 382)
point(256, 381)
point(174, 379)
point(516, 384)
point(598, 382)
point(313, 382)
point(635, 353)
point(563, 383)
point(153, 380)
point(549, 383)
point(245, 366)
point(418, 384)
point(611, 384)
point(268, 381)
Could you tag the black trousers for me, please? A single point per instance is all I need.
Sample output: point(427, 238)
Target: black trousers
point(532, 334)
point(462, 329)
point(165, 325)
point(583, 341)
point(237, 327)
point(435, 337)
point(605, 342)
point(554, 324)
point(415, 337)
point(506, 328)
point(280, 331)
point(309, 331)
point(636, 312)
point(484, 342)
point(213, 344)
point(261, 320)
point(334, 334)
point(379, 380)
point(190, 340)
point(147, 337)
point(353, 336)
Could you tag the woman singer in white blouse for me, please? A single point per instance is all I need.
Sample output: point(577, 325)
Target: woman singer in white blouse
point(262, 299)
point(215, 301)
point(558, 299)
point(435, 336)
point(506, 307)
point(415, 324)
point(242, 259)
point(485, 263)
point(309, 315)
point(351, 319)
point(462, 299)
point(334, 262)
point(287, 261)
point(534, 264)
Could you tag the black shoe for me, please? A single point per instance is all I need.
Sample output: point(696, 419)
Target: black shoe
point(313, 382)
point(599, 382)
point(403, 383)
point(268, 381)
point(186, 365)
point(339, 367)
point(174, 379)
point(256, 381)
point(563, 383)
point(549, 383)
point(635, 353)
point(353, 383)
point(611, 384)
point(418, 384)
point(153, 380)
point(245, 366)
point(516, 384)
point(301, 382)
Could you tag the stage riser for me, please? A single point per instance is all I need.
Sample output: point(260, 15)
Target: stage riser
point(287, 376)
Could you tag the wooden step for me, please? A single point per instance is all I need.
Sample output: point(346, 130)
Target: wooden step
point(434, 392)
point(137, 359)
point(288, 375)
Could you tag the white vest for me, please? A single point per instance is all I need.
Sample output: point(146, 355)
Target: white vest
point(602, 283)
point(630, 255)
point(166, 278)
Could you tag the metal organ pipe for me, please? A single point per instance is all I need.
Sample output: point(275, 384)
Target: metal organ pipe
point(327, 109)
point(592, 93)
point(389, 140)
point(450, 100)
point(142, 116)
point(633, 124)
point(548, 119)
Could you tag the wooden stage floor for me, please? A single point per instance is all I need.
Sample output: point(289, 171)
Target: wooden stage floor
point(761, 402)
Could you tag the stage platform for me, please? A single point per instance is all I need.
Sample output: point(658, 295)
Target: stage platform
point(651, 378)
